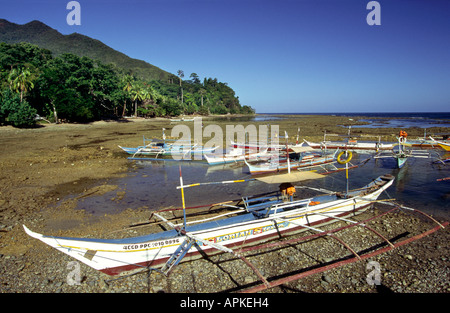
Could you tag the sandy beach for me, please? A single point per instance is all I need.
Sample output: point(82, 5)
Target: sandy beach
point(46, 170)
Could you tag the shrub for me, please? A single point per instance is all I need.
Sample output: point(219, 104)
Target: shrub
point(12, 111)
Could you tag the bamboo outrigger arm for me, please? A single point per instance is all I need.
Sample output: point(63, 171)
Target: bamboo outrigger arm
point(343, 261)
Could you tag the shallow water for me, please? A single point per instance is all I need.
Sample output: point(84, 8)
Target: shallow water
point(403, 123)
point(389, 120)
point(153, 185)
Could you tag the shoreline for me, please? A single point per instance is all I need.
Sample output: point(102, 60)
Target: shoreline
point(46, 170)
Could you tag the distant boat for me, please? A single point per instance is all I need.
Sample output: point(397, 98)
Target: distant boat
point(306, 160)
point(443, 145)
point(257, 147)
point(161, 147)
point(402, 154)
point(350, 145)
point(236, 155)
point(424, 142)
point(182, 119)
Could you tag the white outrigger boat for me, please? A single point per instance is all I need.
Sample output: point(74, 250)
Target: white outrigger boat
point(280, 165)
point(402, 154)
point(254, 221)
point(158, 149)
point(350, 145)
point(442, 144)
point(179, 149)
point(236, 155)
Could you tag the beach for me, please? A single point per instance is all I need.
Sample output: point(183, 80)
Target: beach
point(46, 171)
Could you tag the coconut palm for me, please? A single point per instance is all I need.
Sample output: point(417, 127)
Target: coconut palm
point(136, 95)
point(202, 92)
point(20, 81)
point(181, 75)
point(127, 80)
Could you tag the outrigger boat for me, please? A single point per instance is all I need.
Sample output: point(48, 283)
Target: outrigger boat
point(256, 220)
point(283, 162)
point(443, 145)
point(236, 155)
point(402, 154)
point(350, 144)
point(256, 147)
point(182, 119)
point(160, 147)
point(286, 164)
point(271, 146)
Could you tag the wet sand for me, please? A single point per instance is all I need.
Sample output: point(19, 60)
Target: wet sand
point(46, 170)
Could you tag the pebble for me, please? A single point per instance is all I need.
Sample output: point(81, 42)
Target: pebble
point(327, 278)
point(408, 256)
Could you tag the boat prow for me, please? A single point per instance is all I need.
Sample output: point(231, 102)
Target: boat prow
point(32, 233)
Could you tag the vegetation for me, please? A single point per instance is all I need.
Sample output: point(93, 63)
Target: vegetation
point(43, 36)
point(71, 88)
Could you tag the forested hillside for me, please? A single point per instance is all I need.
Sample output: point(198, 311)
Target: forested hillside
point(39, 34)
point(66, 87)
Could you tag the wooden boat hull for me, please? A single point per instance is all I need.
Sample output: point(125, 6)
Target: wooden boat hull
point(350, 146)
point(443, 145)
point(234, 157)
point(257, 147)
point(113, 256)
point(293, 165)
point(401, 161)
point(178, 151)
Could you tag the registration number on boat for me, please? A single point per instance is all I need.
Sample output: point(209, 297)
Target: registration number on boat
point(149, 245)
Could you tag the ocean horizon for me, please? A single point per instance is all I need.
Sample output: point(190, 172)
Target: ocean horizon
point(436, 115)
point(379, 119)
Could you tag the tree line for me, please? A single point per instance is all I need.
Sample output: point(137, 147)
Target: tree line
point(69, 88)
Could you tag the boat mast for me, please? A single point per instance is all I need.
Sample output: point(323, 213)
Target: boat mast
point(287, 153)
point(182, 200)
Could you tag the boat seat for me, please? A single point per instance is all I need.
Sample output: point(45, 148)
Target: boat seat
point(261, 202)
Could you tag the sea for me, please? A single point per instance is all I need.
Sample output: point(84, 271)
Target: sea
point(153, 185)
point(375, 120)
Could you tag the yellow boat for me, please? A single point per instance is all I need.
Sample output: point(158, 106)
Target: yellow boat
point(443, 145)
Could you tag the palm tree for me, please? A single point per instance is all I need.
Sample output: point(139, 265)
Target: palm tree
point(128, 81)
point(20, 81)
point(136, 94)
point(181, 75)
point(202, 92)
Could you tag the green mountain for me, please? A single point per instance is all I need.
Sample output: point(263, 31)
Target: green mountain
point(40, 34)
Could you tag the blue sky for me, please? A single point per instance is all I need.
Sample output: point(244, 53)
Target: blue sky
point(279, 55)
